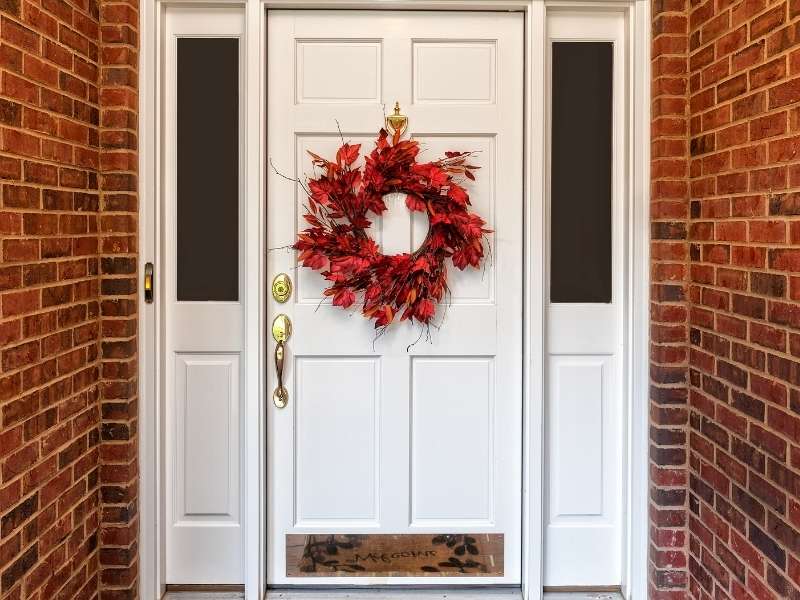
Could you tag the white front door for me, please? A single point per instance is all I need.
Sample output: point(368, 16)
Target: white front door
point(385, 444)
point(202, 292)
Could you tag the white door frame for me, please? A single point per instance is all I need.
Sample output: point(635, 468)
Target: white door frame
point(151, 555)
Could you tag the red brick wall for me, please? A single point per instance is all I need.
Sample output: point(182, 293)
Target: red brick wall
point(744, 231)
point(725, 352)
point(66, 280)
point(669, 209)
point(118, 246)
point(49, 364)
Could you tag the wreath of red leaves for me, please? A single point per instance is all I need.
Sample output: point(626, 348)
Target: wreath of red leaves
point(337, 244)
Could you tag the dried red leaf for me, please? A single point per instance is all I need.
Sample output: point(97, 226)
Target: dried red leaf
point(337, 245)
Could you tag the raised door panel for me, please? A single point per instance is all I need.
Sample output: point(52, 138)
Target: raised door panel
point(337, 441)
point(338, 71)
point(452, 442)
point(578, 388)
point(454, 71)
point(584, 496)
point(207, 438)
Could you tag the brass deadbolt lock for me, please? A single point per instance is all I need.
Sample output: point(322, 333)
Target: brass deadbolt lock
point(281, 288)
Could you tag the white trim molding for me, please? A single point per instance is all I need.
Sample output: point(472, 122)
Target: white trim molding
point(635, 582)
point(151, 573)
point(150, 516)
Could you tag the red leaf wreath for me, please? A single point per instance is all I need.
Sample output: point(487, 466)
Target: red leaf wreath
point(336, 242)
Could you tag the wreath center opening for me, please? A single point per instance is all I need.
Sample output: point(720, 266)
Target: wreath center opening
point(401, 231)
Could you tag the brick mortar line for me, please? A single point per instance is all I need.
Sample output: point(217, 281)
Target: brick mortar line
point(731, 27)
point(61, 236)
point(36, 490)
point(41, 337)
point(74, 7)
point(747, 144)
point(786, 411)
point(47, 285)
point(744, 535)
point(49, 211)
point(45, 187)
point(41, 36)
point(767, 351)
point(749, 420)
point(39, 56)
point(72, 417)
point(59, 377)
point(64, 541)
point(788, 135)
point(83, 346)
point(45, 86)
point(745, 71)
point(42, 136)
point(23, 237)
point(59, 515)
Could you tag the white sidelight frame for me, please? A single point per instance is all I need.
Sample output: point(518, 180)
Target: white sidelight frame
point(151, 554)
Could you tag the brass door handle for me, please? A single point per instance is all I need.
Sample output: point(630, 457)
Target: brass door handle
point(281, 330)
point(281, 395)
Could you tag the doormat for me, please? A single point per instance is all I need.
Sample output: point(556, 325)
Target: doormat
point(395, 555)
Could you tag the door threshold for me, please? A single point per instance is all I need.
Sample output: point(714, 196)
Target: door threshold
point(373, 593)
point(204, 596)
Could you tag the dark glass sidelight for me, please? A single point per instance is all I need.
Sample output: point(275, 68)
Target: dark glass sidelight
point(580, 176)
point(208, 169)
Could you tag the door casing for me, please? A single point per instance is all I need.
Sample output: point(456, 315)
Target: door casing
point(151, 584)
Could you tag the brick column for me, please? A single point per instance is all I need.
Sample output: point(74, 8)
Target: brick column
point(669, 314)
point(118, 313)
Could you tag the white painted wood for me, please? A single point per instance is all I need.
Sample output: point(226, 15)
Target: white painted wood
point(635, 576)
point(254, 447)
point(151, 420)
point(346, 431)
point(396, 229)
point(446, 60)
point(468, 377)
point(586, 389)
point(461, 412)
point(203, 346)
point(314, 84)
point(151, 504)
point(534, 307)
point(207, 436)
point(578, 386)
